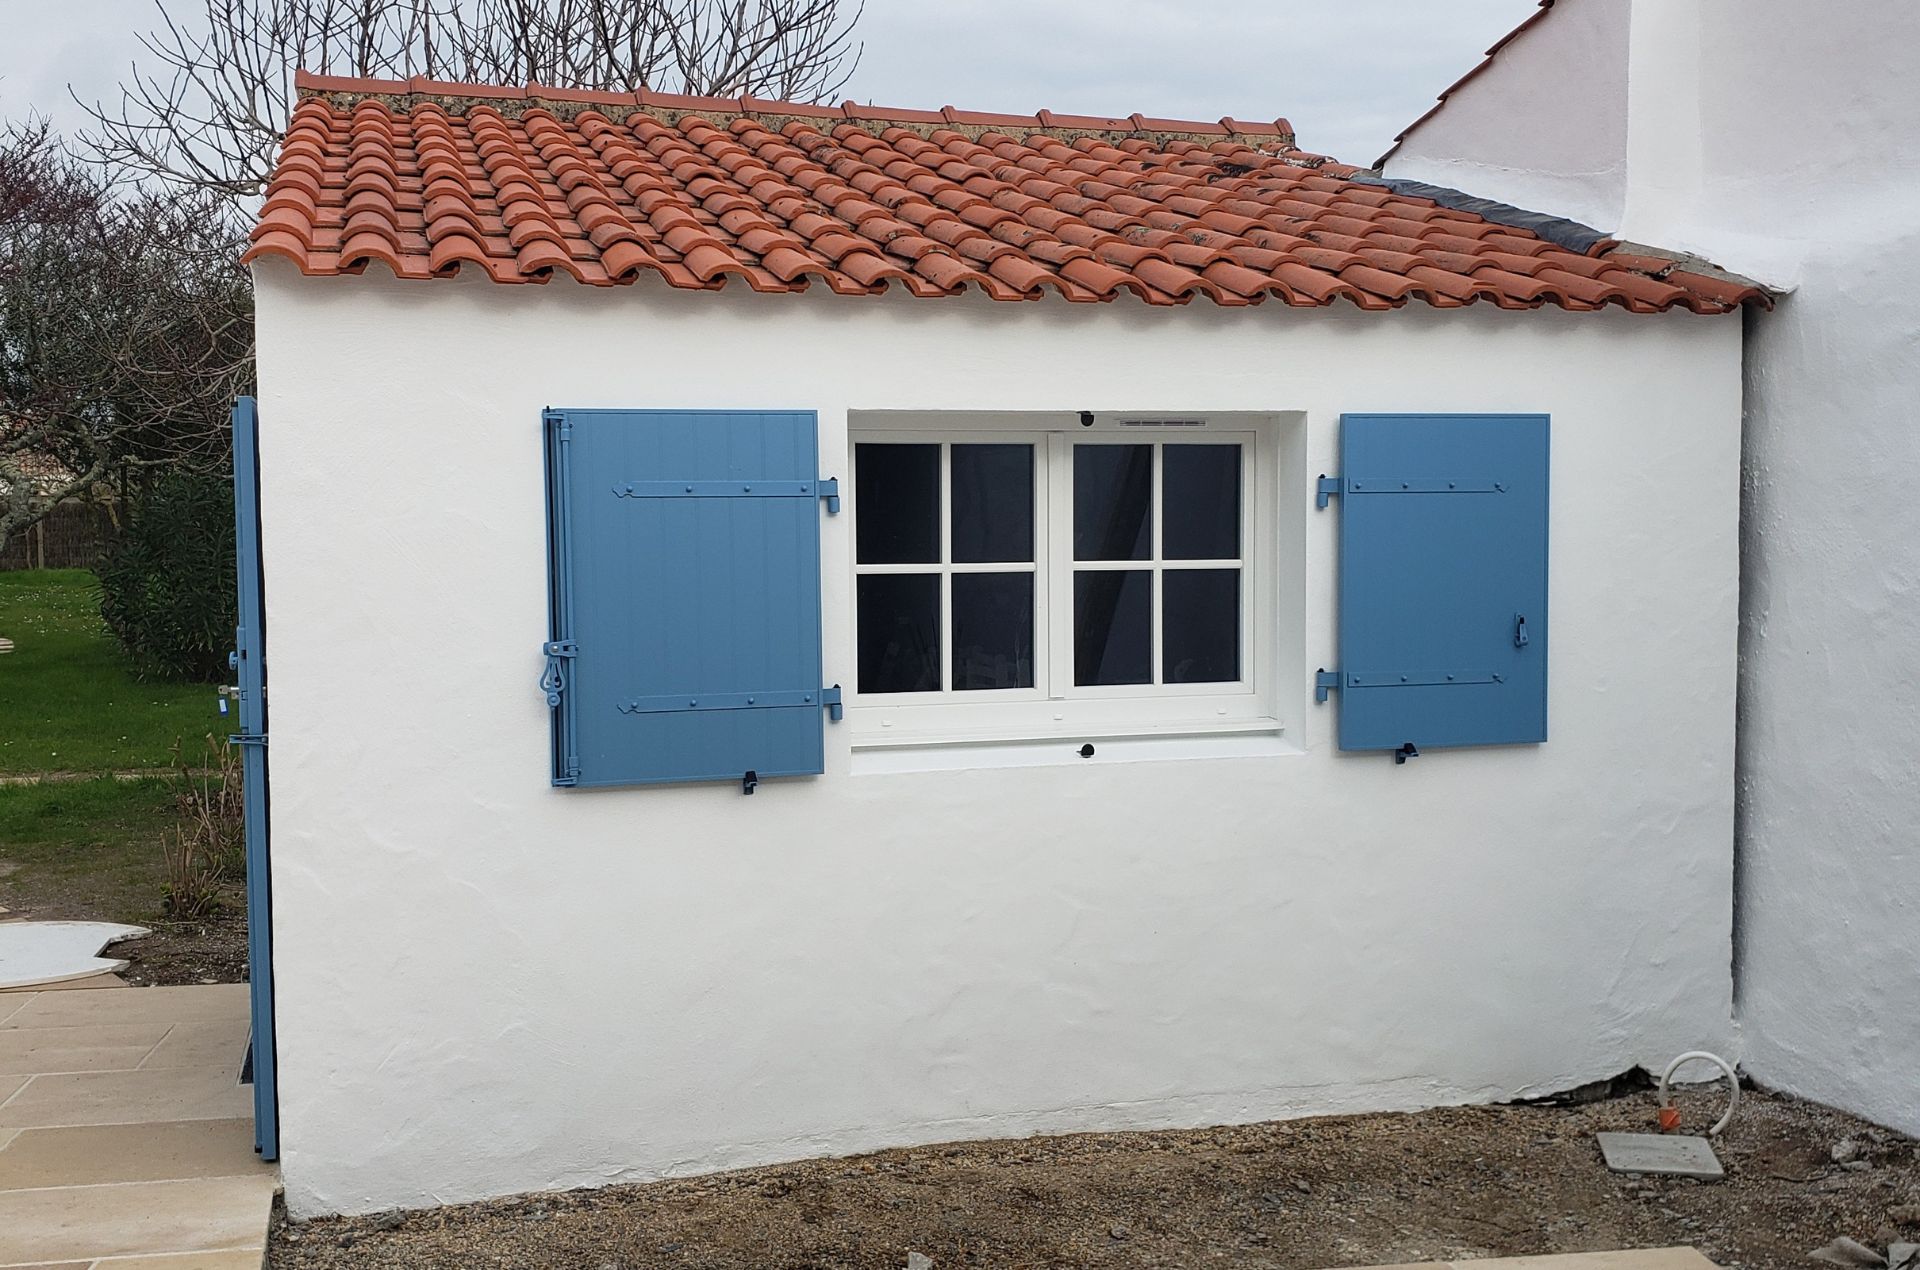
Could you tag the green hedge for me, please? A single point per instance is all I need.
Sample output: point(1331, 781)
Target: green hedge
point(167, 588)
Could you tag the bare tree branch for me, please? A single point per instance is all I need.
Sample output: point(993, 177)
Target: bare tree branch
point(125, 328)
point(209, 106)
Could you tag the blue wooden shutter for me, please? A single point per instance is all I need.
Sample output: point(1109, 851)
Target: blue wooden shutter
point(1443, 580)
point(684, 613)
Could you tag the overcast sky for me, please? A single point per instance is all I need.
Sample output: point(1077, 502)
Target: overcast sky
point(1348, 73)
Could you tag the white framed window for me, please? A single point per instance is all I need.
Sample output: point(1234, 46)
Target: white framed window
point(1030, 576)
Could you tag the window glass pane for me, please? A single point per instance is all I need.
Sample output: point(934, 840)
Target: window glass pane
point(992, 503)
point(992, 630)
point(1200, 489)
point(896, 501)
point(1200, 626)
point(1113, 627)
point(1112, 502)
point(899, 621)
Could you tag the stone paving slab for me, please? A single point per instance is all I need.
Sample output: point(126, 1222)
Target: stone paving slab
point(68, 1223)
point(1678, 1258)
point(126, 1138)
point(120, 1097)
point(105, 979)
point(200, 1003)
point(98, 1047)
point(87, 1155)
point(232, 1259)
point(219, 1045)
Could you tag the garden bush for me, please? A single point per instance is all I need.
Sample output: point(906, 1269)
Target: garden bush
point(206, 845)
point(167, 588)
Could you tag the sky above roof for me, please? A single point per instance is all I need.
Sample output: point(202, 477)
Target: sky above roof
point(1349, 74)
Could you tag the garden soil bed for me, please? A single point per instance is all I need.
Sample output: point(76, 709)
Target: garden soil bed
point(205, 950)
point(1451, 1183)
point(211, 949)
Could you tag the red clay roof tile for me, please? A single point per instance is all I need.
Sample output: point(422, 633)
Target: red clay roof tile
point(428, 178)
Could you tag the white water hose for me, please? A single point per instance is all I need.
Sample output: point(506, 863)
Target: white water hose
point(1733, 1090)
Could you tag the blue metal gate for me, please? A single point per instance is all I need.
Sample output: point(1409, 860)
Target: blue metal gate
point(249, 660)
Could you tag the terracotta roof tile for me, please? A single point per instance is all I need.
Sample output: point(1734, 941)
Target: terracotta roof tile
point(428, 179)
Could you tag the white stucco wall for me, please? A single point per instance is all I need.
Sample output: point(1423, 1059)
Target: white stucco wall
point(1543, 126)
point(1829, 881)
point(1777, 141)
point(488, 985)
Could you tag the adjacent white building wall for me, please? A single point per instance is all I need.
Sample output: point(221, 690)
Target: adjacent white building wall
point(1543, 125)
point(1829, 879)
point(1777, 140)
point(488, 985)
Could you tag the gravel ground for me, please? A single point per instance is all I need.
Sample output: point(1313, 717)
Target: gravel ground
point(1340, 1191)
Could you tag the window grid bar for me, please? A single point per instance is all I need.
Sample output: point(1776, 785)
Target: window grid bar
point(1120, 566)
point(1157, 517)
point(1013, 566)
point(1059, 671)
point(946, 566)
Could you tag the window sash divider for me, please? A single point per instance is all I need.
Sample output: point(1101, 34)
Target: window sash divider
point(947, 651)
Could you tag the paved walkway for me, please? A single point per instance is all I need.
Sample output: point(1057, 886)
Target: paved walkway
point(126, 1139)
point(1636, 1259)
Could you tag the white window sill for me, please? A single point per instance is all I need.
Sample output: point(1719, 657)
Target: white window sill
point(1255, 739)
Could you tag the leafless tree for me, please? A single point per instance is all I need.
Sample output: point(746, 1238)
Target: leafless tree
point(125, 328)
point(209, 108)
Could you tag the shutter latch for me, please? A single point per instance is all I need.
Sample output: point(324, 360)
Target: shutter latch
point(829, 487)
point(554, 681)
point(830, 698)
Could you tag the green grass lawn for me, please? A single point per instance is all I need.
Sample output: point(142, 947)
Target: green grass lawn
point(68, 701)
point(91, 850)
point(85, 849)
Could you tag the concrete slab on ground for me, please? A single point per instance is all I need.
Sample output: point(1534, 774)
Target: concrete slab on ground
point(126, 1139)
point(1680, 1258)
point(33, 954)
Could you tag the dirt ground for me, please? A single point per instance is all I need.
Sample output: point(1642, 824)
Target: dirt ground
point(210, 949)
point(205, 950)
point(1340, 1191)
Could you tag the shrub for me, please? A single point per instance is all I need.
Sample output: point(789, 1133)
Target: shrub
point(167, 588)
point(206, 844)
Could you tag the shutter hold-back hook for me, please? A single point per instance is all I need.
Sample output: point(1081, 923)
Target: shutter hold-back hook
point(749, 782)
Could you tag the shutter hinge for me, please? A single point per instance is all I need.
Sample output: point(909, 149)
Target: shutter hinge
point(563, 427)
point(1326, 681)
point(1327, 487)
point(830, 698)
point(554, 681)
point(830, 491)
point(248, 738)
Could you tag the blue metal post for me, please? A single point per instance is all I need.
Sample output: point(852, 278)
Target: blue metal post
point(249, 659)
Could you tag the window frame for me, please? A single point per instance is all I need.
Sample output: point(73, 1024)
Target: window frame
point(1056, 707)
